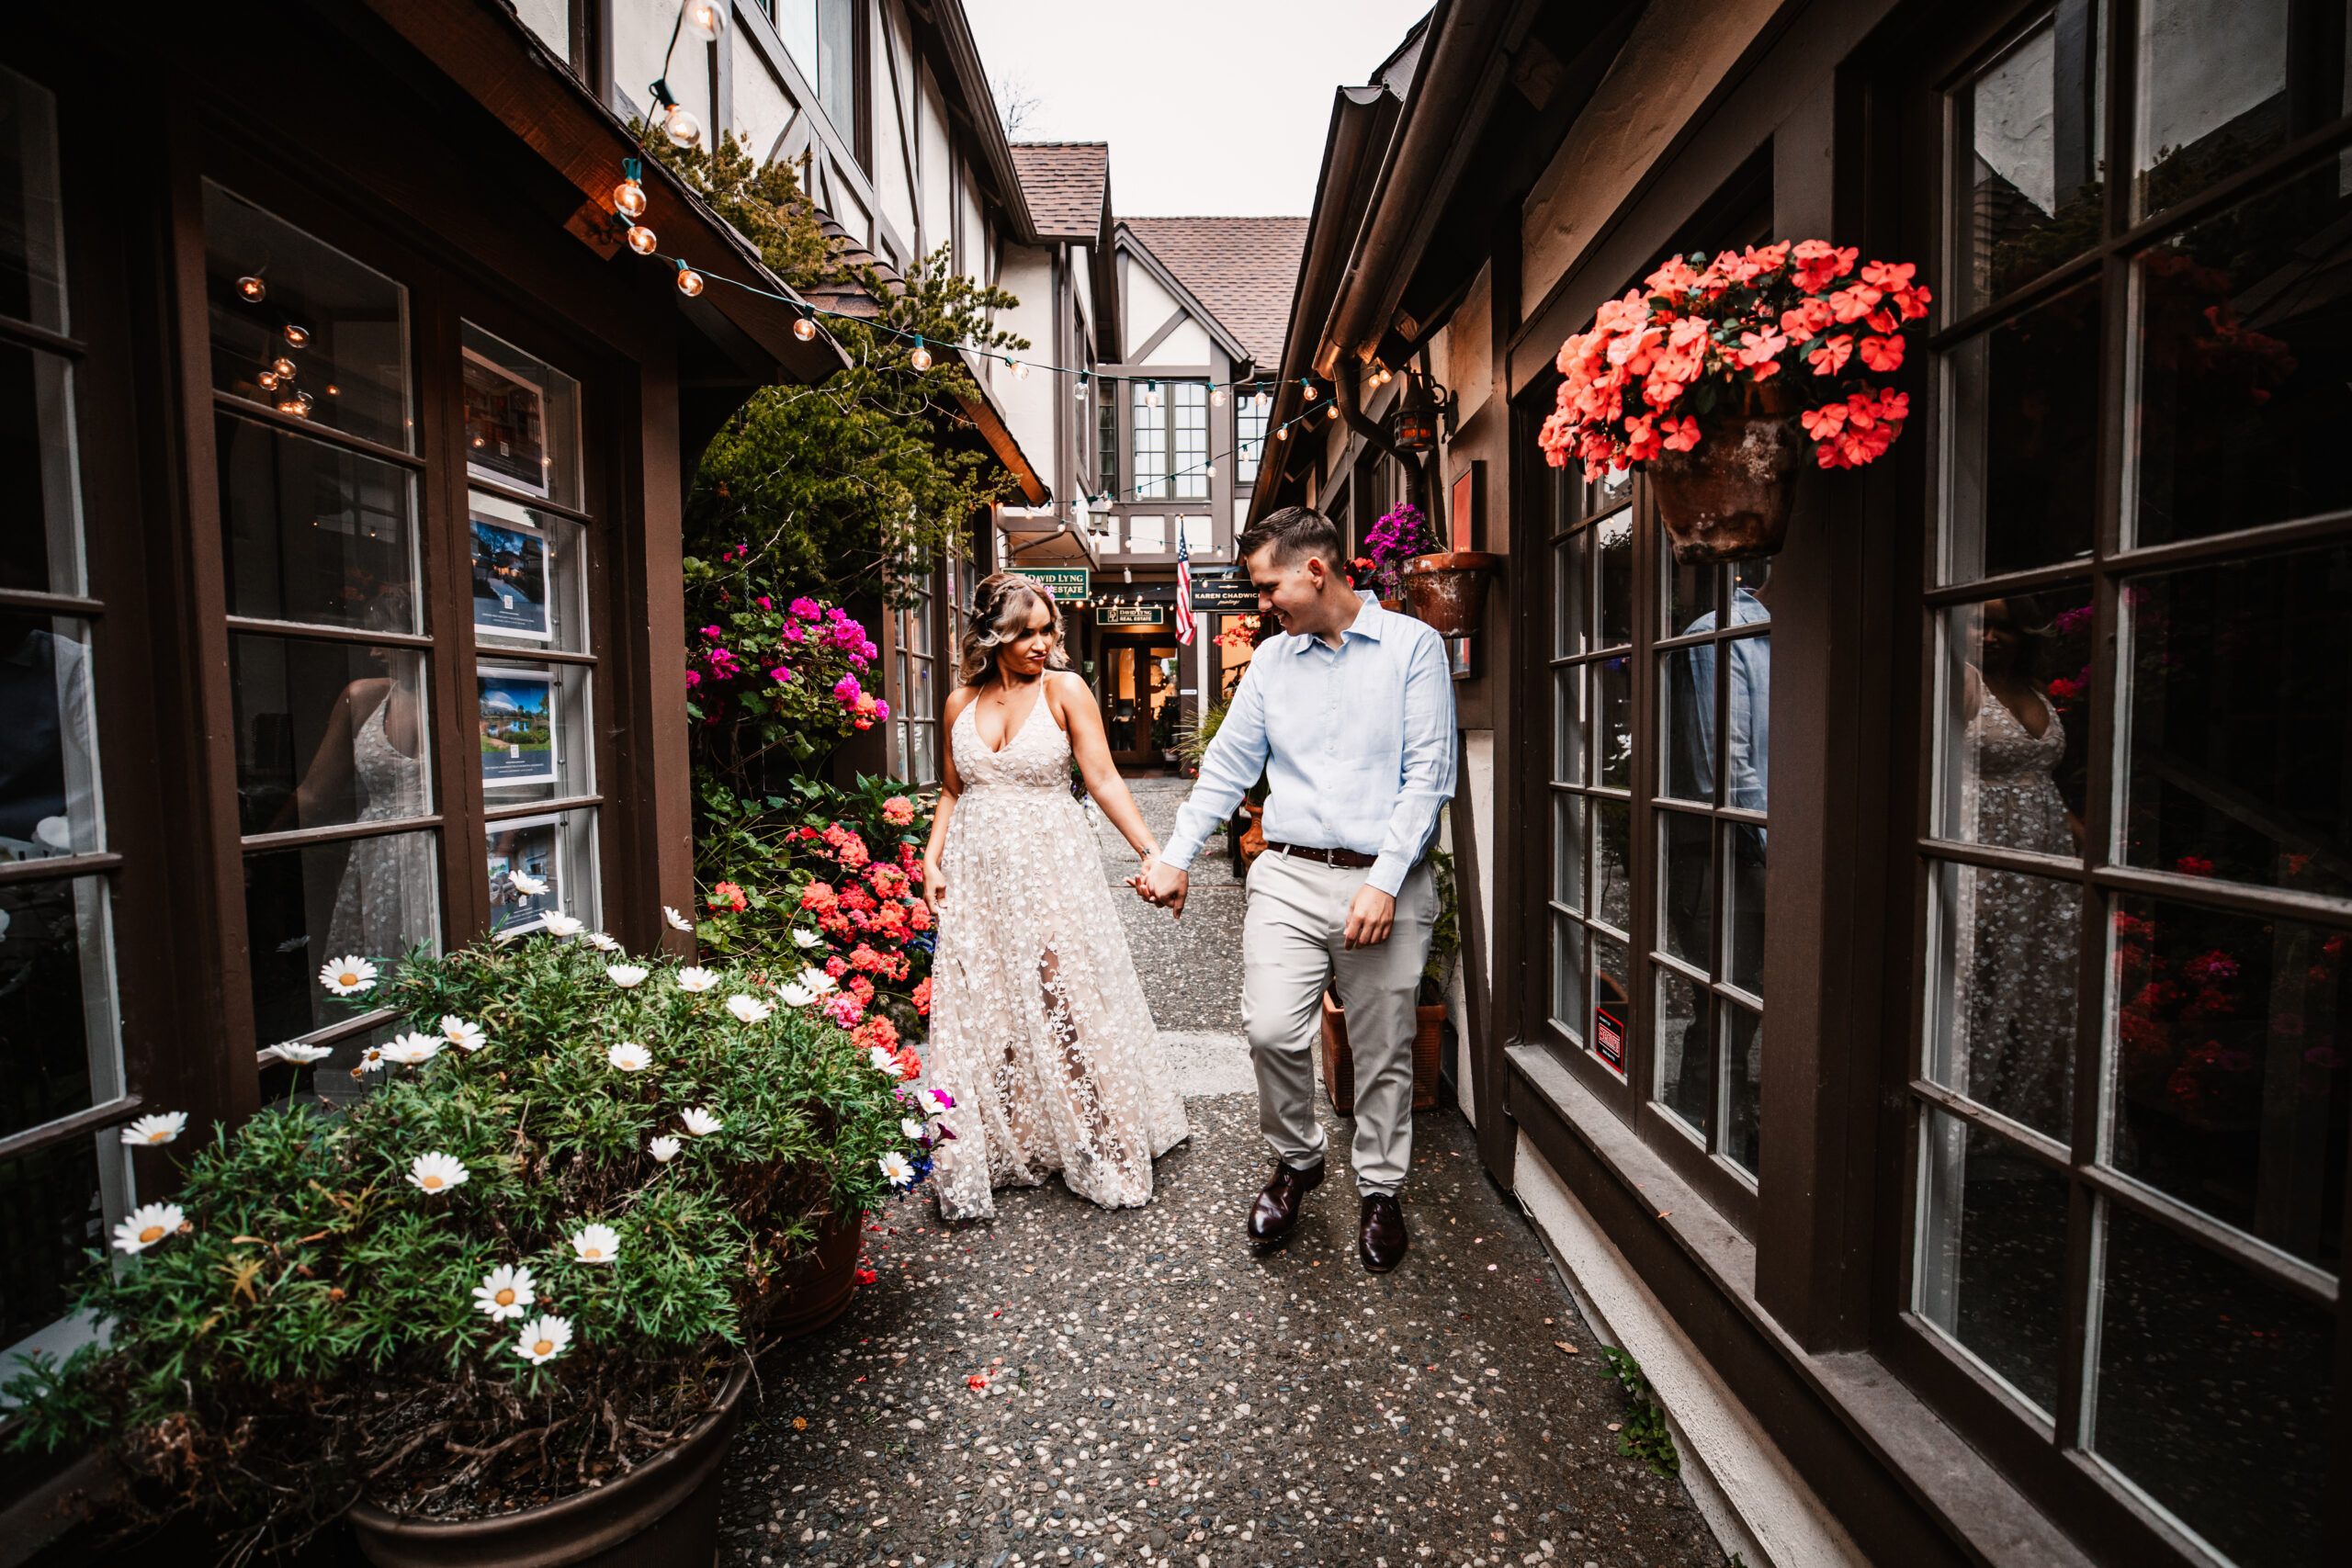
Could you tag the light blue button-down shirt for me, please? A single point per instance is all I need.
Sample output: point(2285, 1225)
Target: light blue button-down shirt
point(1356, 743)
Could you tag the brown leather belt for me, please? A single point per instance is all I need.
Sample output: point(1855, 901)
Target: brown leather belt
point(1348, 858)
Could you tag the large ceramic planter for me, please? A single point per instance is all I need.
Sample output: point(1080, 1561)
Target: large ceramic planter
point(816, 1287)
point(1728, 498)
point(1449, 589)
point(1340, 1066)
point(663, 1514)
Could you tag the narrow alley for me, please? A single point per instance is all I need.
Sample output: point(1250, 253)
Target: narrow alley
point(1069, 1386)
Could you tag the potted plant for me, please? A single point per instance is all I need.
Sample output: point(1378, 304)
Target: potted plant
point(1445, 588)
point(1692, 379)
point(502, 1307)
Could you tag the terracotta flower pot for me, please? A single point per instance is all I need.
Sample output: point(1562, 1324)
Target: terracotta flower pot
point(663, 1514)
point(1449, 589)
point(1728, 499)
point(816, 1287)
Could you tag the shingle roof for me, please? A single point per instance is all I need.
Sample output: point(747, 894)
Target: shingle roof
point(1243, 269)
point(1065, 184)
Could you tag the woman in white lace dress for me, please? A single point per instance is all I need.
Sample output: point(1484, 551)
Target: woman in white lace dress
point(1038, 1025)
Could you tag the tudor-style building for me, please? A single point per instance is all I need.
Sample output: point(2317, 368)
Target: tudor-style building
point(1968, 1183)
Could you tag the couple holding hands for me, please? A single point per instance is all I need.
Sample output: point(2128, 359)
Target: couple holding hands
point(1039, 1025)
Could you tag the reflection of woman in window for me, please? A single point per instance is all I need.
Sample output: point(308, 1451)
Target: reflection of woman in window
point(2019, 934)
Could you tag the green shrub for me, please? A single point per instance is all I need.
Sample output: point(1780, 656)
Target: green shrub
point(310, 1320)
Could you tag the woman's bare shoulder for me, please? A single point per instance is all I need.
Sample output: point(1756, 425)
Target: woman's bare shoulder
point(1069, 689)
point(957, 701)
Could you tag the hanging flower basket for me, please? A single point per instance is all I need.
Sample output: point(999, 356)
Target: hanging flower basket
point(1684, 378)
point(1449, 589)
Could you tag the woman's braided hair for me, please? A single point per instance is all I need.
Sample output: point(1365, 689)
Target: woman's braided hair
point(1000, 607)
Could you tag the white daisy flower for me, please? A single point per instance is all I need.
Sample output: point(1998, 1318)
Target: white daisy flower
point(663, 1149)
point(676, 921)
point(913, 1128)
point(630, 1056)
point(932, 1101)
point(804, 937)
point(692, 978)
point(544, 1340)
point(750, 1010)
point(347, 976)
point(295, 1051)
point(894, 1166)
point(410, 1050)
point(371, 1060)
point(148, 1223)
point(595, 1244)
point(505, 1291)
point(465, 1036)
point(436, 1173)
point(151, 1130)
point(626, 974)
point(883, 1061)
point(819, 983)
point(795, 996)
point(701, 1122)
point(602, 941)
point(527, 885)
point(561, 925)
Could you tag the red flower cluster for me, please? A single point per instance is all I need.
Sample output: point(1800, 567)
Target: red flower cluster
point(1623, 396)
point(869, 913)
point(728, 896)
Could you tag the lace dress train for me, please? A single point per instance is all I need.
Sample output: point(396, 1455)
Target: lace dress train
point(1038, 1025)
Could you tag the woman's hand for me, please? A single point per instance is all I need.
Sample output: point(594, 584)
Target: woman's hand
point(934, 883)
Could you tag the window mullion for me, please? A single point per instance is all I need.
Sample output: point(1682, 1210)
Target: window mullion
point(1642, 847)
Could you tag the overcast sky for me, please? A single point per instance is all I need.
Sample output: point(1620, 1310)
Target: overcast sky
point(1211, 107)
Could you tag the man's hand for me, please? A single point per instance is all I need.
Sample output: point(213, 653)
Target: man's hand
point(1164, 884)
point(1371, 917)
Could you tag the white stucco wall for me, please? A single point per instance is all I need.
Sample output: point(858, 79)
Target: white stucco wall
point(762, 109)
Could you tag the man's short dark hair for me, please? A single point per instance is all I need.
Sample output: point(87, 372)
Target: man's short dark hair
point(1295, 533)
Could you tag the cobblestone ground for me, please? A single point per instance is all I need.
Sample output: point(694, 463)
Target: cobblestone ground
point(1152, 1391)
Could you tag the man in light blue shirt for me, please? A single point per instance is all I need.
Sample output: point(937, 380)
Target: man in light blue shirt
point(1349, 716)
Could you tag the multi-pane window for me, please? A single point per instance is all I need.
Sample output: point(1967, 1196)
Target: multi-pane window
point(1106, 440)
point(2132, 1092)
point(914, 716)
point(1249, 415)
point(1169, 425)
point(1661, 697)
point(61, 1048)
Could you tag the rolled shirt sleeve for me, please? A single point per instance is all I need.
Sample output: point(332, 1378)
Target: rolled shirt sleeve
point(1427, 781)
point(1235, 757)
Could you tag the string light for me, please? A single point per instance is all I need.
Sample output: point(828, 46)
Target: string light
point(641, 239)
point(1332, 409)
point(628, 197)
point(297, 404)
point(689, 281)
point(252, 291)
point(298, 337)
point(268, 380)
point(921, 357)
point(1283, 434)
point(703, 19)
point(1151, 394)
point(1217, 397)
point(681, 127)
point(1260, 401)
point(1310, 389)
point(1020, 370)
point(284, 367)
point(805, 328)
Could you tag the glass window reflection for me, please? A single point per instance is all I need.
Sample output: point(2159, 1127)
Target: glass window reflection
point(2030, 127)
point(2014, 721)
point(40, 550)
point(1992, 1254)
point(2212, 93)
point(327, 733)
point(58, 1034)
point(522, 420)
point(32, 217)
point(48, 766)
point(2022, 480)
point(2002, 1017)
point(375, 897)
point(315, 533)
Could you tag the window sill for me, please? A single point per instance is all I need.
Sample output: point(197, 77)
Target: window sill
point(1973, 1504)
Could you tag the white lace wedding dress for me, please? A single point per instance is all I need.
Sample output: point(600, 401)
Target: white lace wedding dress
point(1038, 1025)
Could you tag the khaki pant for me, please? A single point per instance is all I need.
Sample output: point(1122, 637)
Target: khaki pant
point(1291, 946)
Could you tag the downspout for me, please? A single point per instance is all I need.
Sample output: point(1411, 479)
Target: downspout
point(1343, 397)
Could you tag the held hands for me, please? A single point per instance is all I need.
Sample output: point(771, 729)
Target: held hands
point(934, 883)
point(1371, 916)
point(1163, 884)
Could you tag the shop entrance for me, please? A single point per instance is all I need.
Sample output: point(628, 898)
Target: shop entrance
point(1139, 703)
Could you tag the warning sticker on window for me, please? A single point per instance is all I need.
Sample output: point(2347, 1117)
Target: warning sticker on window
point(1609, 1039)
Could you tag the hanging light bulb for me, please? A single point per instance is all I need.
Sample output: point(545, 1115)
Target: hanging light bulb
point(1283, 434)
point(1332, 409)
point(1259, 402)
point(1021, 370)
point(1217, 397)
point(628, 200)
point(284, 367)
point(641, 239)
point(268, 380)
point(252, 291)
point(295, 403)
point(1151, 394)
point(298, 337)
point(1211, 471)
point(681, 127)
point(689, 281)
point(921, 357)
point(1310, 389)
point(703, 19)
point(805, 328)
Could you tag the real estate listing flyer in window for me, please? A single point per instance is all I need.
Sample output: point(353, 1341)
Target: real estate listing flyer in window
point(528, 848)
point(518, 726)
point(510, 579)
point(505, 439)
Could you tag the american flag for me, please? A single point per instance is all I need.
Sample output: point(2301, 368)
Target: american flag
point(1184, 588)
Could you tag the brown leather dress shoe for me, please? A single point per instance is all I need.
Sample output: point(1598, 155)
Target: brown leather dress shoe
point(1276, 1210)
point(1381, 1243)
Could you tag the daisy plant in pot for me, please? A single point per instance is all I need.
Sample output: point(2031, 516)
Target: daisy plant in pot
point(514, 1288)
point(1721, 378)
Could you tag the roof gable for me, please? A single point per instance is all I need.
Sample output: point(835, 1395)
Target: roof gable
point(1242, 270)
point(1066, 184)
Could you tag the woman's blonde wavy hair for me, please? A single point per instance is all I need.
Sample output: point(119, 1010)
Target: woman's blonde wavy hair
point(1000, 607)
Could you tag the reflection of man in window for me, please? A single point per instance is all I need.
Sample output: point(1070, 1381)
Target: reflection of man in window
point(47, 778)
point(1748, 724)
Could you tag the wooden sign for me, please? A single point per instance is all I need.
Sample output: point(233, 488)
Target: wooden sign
point(1225, 596)
point(1128, 615)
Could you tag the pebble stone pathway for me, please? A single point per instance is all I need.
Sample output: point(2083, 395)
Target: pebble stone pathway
point(1065, 1386)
